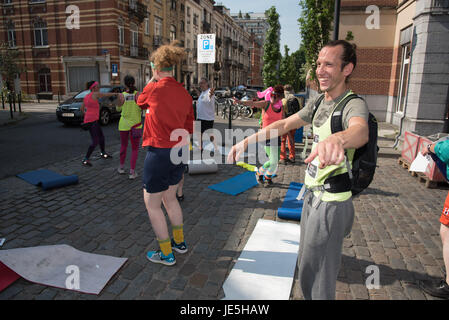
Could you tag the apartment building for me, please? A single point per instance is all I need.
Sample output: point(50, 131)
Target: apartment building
point(402, 69)
point(63, 46)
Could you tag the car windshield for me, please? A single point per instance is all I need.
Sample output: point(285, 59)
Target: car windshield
point(84, 93)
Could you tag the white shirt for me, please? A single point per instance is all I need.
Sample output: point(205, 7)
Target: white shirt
point(205, 106)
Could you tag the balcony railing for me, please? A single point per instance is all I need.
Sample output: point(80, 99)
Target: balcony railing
point(440, 6)
point(157, 41)
point(8, 9)
point(137, 9)
point(138, 52)
point(41, 52)
point(206, 26)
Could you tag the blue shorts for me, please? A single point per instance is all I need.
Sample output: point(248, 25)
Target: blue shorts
point(159, 172)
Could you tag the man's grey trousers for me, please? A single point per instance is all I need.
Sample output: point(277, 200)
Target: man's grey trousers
point(323, 229)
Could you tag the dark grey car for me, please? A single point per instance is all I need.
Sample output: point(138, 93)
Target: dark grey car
point(69, 112)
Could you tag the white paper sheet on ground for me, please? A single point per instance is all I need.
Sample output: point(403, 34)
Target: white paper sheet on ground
point(60, 265)
point(266, 266)
point(420, 163)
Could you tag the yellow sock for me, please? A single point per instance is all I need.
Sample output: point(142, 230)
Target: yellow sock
point(178, 234)
point(165, 246)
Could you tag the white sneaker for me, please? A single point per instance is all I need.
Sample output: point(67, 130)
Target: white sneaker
point(133, 175)
point(121, 170)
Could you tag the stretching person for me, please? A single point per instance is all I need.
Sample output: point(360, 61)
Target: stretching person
point(168, 107)
point(271, 112)
point(130, 126)
point(91, 110)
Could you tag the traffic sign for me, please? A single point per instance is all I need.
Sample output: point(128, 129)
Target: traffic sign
point(206, 48)
point(114, 70)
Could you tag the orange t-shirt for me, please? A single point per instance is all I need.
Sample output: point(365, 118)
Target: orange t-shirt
point(168, 107)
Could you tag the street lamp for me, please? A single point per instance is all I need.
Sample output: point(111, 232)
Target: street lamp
point(336, 18)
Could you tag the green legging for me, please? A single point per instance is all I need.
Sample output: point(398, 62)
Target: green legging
point(274, 154)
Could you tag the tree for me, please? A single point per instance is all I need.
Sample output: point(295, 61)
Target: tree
point(299, 61)
point(315, 27)
point(9, 68)
point(287, 69)
point(271, 47)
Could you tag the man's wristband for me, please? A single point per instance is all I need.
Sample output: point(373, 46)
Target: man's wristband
point(428, 147)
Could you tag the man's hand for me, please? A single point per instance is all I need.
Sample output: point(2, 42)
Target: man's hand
point(236, 151)
point(329, 151)
point(211, 92)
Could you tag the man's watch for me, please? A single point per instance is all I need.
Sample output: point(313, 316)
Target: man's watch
point(428, 148)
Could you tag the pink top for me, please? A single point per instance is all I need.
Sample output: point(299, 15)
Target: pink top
point(270, 116)
point(92, 112)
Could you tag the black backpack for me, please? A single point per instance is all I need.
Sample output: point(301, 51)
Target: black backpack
point(292, 106)
point(365, 158)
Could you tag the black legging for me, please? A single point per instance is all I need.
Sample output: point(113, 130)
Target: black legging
point(97, 138)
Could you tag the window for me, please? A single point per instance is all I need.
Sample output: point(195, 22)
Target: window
point(44, 80)
point(404, 42)
point(157, 26)
point(134, 40)
point(182, 26)
point(121, 33)
point(7, 2)
point(405, 65)
point(12, 35)
point(173, 5)
point(147, 26)
point(40, 34)
point(172, 32)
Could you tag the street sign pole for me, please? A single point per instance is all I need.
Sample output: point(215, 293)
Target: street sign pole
point(336, 19)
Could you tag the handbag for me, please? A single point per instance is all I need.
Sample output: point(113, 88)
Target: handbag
point(135, 132)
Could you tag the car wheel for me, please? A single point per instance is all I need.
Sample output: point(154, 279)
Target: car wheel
point(105, 117)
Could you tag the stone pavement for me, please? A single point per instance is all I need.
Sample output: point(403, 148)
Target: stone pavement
point(395, 228)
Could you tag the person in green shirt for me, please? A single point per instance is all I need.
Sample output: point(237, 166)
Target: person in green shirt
point(130, 126)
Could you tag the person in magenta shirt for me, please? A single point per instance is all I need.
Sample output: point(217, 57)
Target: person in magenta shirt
point(271, 112)
point(91, 110)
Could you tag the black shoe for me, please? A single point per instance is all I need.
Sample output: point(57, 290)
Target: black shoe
point(106, 156)
point(291, 160)
point(86, 163)
point(440, 290)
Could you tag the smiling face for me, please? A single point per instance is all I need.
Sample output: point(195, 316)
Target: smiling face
point(330, 73)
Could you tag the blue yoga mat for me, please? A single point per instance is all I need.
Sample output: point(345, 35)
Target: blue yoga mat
point(237, 184)
point(291, 207)
point(48, 179)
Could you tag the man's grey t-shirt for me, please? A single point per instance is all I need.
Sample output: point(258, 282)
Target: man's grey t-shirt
point(354, 108)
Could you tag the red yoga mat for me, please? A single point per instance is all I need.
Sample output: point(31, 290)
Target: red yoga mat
point(7, 277)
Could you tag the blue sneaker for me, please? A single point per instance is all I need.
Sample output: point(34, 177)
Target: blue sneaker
point(181, 247)
point(158, 257)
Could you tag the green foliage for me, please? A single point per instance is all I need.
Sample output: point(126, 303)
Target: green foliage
point(315, 28)
point(287, 69)
point(272, 54)
point(349, 36)
point(9, 67)
point(299, 63)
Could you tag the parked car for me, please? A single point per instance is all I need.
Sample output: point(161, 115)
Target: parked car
point(68, 112)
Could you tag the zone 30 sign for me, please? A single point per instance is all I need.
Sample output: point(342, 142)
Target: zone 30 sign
point(206, 48)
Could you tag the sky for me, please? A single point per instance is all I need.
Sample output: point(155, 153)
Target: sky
point(288, 10)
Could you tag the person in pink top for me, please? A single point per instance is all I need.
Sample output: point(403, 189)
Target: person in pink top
point(91, 110)
point(271, 112)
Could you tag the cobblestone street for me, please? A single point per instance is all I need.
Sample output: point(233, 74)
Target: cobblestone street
point(396, 229)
